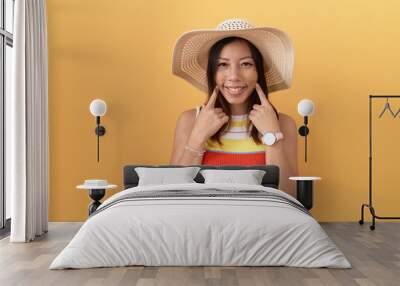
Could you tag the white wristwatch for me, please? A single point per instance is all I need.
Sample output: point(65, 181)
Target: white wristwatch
point(270, 138)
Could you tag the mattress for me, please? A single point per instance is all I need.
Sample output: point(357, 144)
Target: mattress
point(201, 225)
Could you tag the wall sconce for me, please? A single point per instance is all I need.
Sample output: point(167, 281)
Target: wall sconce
point(305, 108)
point(98, 108)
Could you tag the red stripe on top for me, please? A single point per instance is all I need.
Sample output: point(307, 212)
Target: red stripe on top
point(220, 159)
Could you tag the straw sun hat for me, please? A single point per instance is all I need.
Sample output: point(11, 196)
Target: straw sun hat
point(191, 50)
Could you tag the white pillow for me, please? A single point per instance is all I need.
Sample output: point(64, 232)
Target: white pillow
point(163, 176)
point(249, 177)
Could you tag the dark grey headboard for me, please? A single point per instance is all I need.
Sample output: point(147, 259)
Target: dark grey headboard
point(270, 179)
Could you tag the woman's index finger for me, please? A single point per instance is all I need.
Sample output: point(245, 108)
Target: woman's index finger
point(213, 98)
point(261, 95)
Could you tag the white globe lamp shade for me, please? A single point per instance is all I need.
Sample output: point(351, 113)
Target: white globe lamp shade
point(98, 107)
point(305, 107)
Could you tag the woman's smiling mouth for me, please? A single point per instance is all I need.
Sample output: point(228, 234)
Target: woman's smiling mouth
point(235, 90)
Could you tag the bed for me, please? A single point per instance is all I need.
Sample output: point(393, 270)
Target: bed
point(201, 223)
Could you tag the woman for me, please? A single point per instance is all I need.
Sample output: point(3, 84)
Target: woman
point(237, 125)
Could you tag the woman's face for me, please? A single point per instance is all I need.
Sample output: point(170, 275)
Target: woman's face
point(236, 75)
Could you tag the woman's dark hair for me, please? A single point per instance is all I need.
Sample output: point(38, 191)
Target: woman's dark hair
point(221, 102)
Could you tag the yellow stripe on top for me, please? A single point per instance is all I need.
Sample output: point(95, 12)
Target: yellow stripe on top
point(237, 139)
point(239, 122)
point(235, 146)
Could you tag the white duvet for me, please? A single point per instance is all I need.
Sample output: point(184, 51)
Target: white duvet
point(200, 231)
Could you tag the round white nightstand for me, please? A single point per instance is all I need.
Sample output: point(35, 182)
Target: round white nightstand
point(97, 190)
point(304, 187)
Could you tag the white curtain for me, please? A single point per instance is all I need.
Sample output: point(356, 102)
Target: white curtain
point(27, 123)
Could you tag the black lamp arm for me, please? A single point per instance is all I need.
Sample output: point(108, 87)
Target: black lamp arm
point(100, 131)
point(303, 131)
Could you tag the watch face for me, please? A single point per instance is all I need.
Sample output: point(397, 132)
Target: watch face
point(269, 139)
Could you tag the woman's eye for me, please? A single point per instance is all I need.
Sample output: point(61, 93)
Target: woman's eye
point(221, 65)
point(247, 64)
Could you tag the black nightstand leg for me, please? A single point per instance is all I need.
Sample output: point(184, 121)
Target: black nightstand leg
point(96, 195)
point(305, 193)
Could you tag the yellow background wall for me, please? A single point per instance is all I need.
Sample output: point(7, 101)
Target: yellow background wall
point(121, 51)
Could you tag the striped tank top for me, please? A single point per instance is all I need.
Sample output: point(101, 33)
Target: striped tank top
point(238, 147)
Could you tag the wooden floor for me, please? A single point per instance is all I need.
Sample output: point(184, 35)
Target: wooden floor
point(374, 255)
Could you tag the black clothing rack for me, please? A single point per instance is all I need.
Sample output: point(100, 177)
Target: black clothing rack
point(369, 205)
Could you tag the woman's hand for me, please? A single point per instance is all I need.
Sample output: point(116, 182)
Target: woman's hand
point(263, 116)
point(208, 122)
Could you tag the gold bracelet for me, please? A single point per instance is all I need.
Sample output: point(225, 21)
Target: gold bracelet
point(198, 153)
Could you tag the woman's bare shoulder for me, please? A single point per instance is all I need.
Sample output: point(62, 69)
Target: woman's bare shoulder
point(189, 114)
point(286, 121)
point(187, 118)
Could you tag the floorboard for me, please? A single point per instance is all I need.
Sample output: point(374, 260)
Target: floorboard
point(374, 255)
